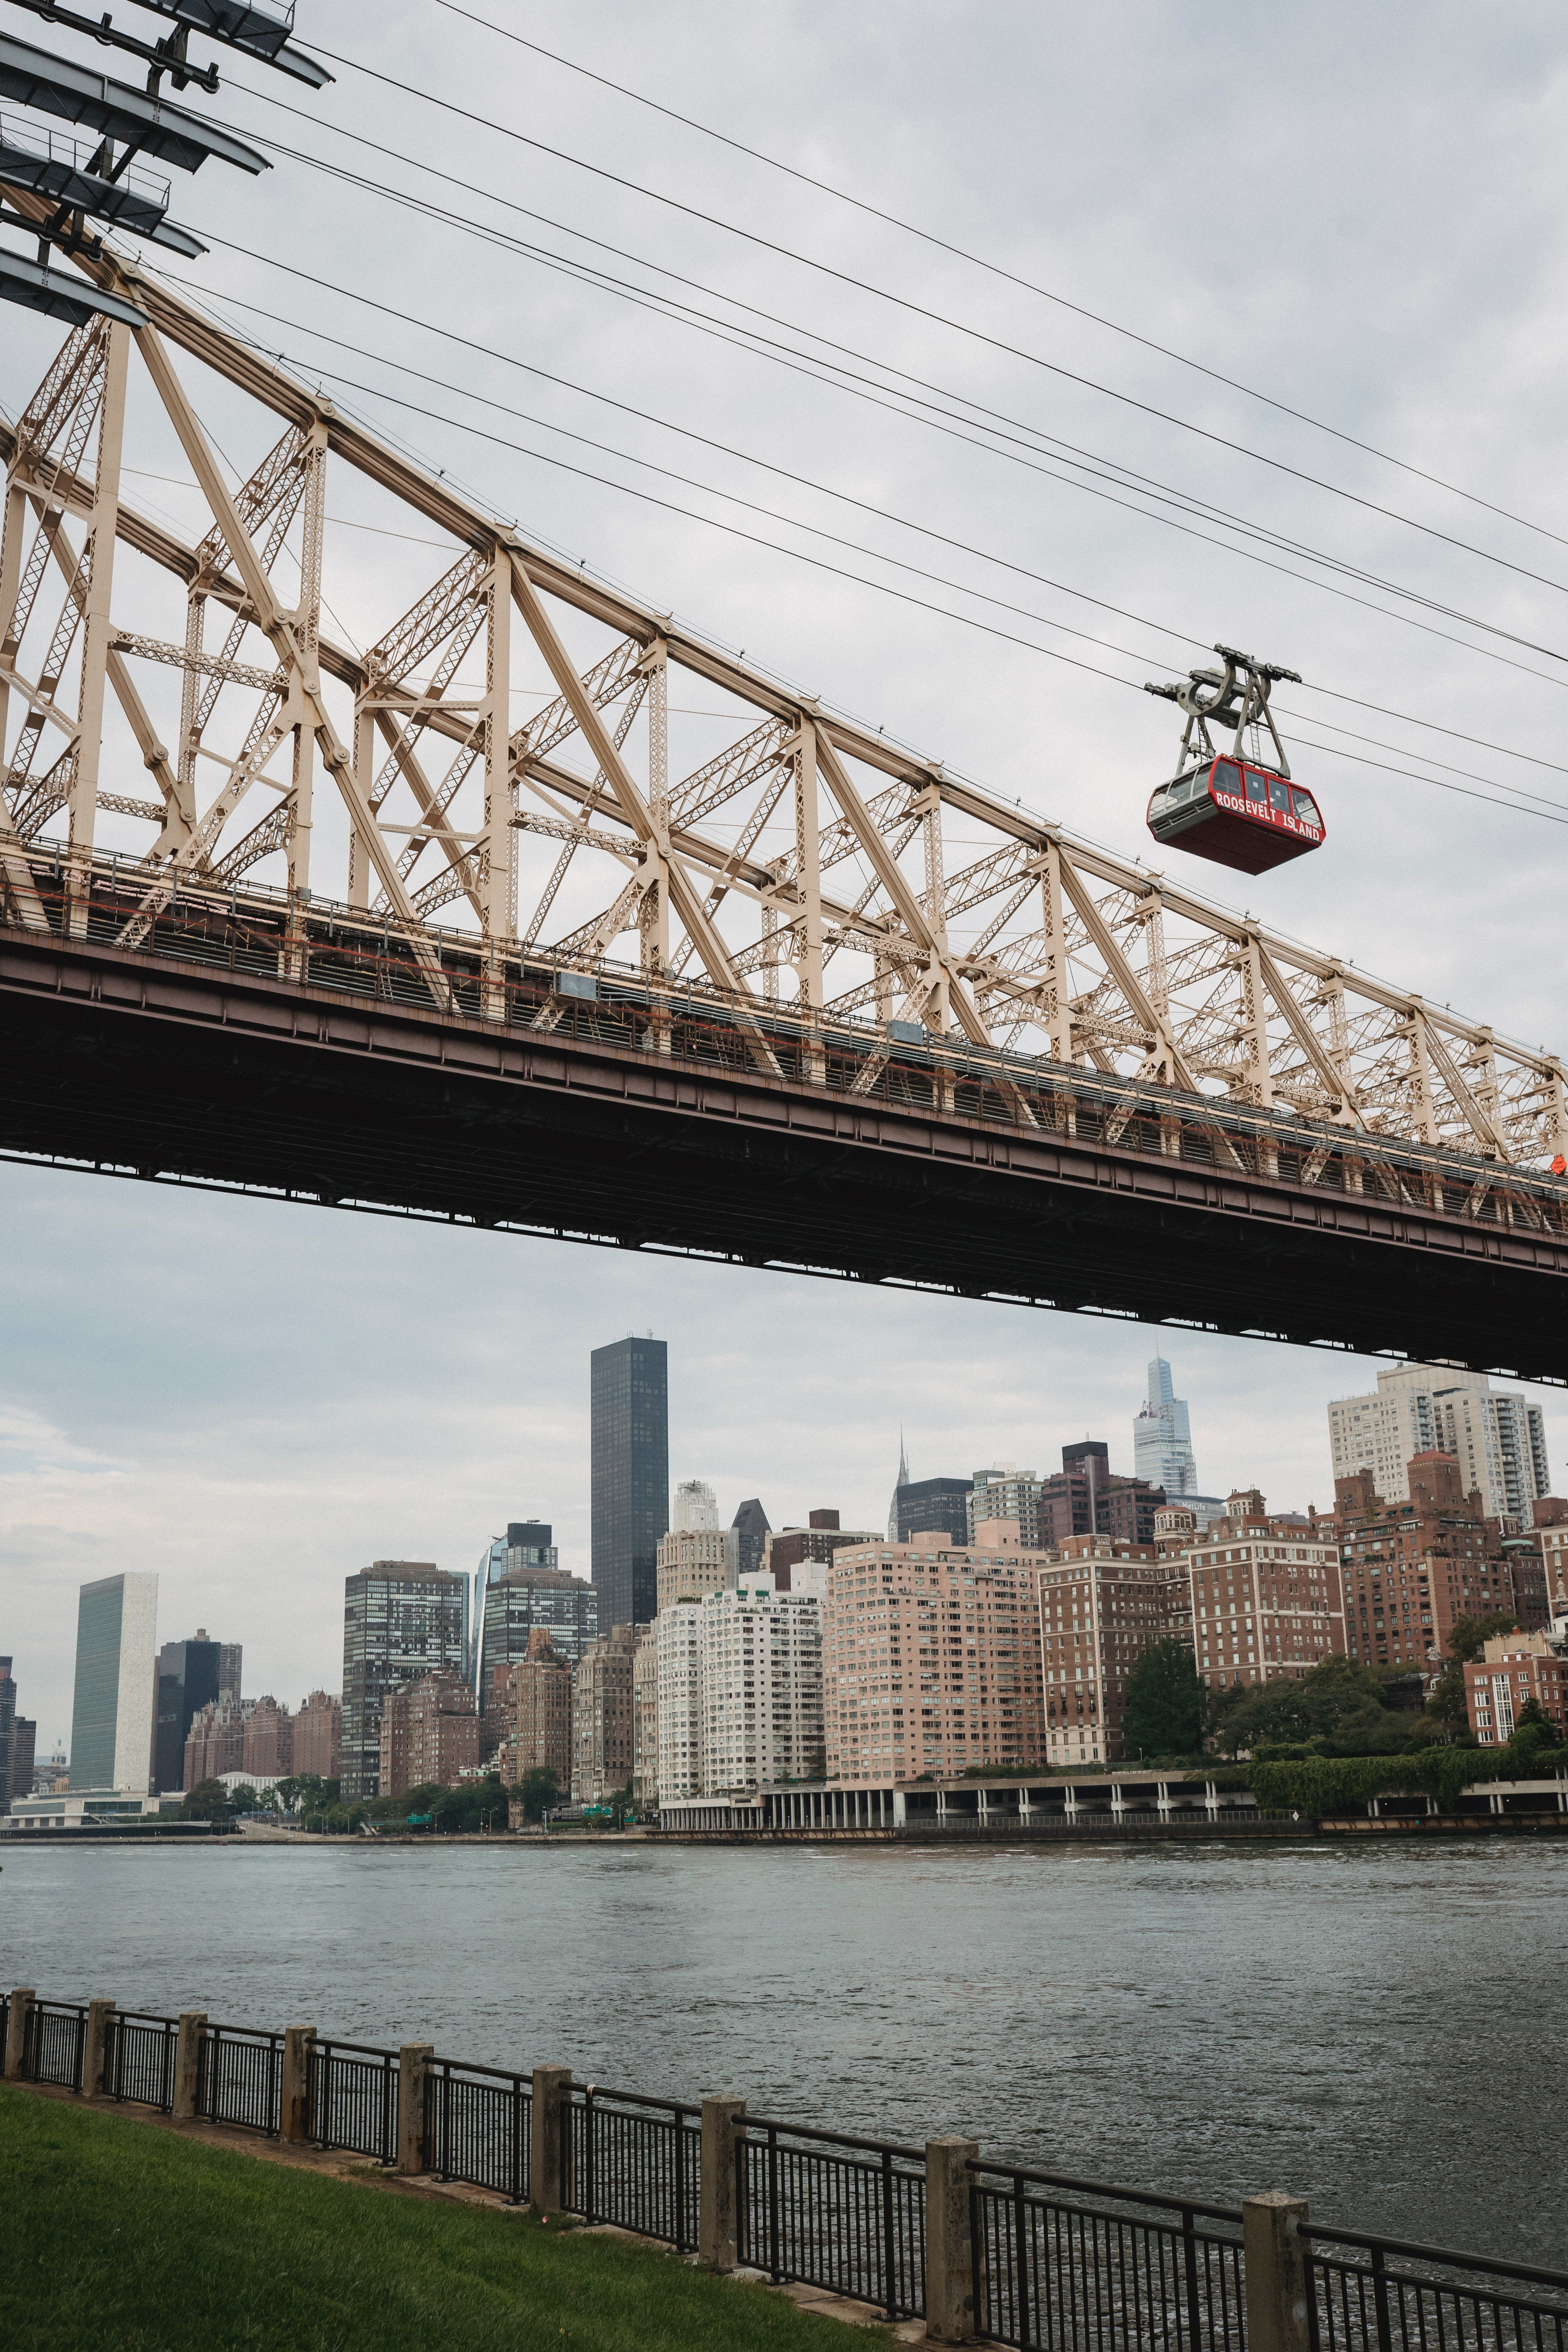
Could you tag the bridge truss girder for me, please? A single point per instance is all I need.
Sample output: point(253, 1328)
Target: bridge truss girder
point(802, 865)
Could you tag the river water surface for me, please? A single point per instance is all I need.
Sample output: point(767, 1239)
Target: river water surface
point(1380, 2030)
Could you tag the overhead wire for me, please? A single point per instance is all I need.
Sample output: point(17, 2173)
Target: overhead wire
point(747, 339)
point(1519, 802)
point(922, 311)
point(526, 367)
point(996, 269)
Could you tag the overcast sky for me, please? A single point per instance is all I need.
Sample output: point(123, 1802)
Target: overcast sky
point(1355, 212)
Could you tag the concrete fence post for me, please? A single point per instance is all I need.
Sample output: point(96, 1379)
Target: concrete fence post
point(16, 2017)
point(548, 2142)
point(950, 2249)
point(1276, 2272)
point(718, 2219)
point(94, 2048)
point(294, 2087)
point(188, 2065)
point(412, 2068)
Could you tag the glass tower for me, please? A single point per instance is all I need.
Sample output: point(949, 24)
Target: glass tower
point(115, 1704)
point(1162, 1438)
point(403, 1619)
point(629, 1390)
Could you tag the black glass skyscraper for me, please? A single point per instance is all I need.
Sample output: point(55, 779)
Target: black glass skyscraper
point(187, 1681)
point(630, 1500)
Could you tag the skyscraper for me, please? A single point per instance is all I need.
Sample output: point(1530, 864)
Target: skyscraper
point(527, 1543)
point(114, 1712)
point(1162, 1438)
point(188, 1677)
point(1497, 1437)
point(629, 1394)
point(403, 1619)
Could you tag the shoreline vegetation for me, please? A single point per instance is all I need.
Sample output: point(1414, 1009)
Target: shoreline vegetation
point(119, 2230)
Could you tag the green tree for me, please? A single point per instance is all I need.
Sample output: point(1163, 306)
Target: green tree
point(536, 1792)
point(1447, 1705)
point(1166, 1705)
point(208, 1802)
point(243, 1798)
point(1340, 1708)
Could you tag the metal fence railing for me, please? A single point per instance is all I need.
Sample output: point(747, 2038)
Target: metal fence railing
point(837, 2212)
point(53, 2040)
point(1383, 2295)
point(241, 2078)
point(1064, 2265)
point(139, 2054)
point(477, 2123)
point(637, 2162)
point(352, 2098)
point(1054, 2263)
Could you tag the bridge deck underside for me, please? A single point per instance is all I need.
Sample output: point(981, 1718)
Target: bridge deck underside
point(149, 1066)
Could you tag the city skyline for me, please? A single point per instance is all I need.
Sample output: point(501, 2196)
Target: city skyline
point(779, 1386)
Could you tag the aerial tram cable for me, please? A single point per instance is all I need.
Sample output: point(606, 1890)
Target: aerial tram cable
point(794, 522)
point(937, 318)
point(683, 314)
point(1518, 805)
point(486, 400)
point(1009, 277)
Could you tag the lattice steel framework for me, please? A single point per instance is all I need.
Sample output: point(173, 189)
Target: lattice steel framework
point(803, 865)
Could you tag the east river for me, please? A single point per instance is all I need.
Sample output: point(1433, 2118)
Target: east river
point(1380, 2029)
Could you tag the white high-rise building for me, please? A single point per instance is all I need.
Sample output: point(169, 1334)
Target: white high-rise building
point(1497, 1436)
point(678, 1633)
point(762, 1687)
point(740, 1686)
point(696, 1507)
point(115, 1709)
point(1163, 1437)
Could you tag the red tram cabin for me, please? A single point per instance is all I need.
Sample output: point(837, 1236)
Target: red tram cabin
point(1250, 818)
point(1240, 810)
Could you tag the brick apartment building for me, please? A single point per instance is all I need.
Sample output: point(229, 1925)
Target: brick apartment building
point(430, 1733)
point(1512, 1668)
point(269, 1750)
point(532, 1707)
point(602, 1716)
point(1266, 1599)
point(1411, 1568)
point(318, 1735)
point(1101, 1604)
point(931, 1656)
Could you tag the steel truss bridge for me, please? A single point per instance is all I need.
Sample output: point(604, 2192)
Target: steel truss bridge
point(1017, 1069)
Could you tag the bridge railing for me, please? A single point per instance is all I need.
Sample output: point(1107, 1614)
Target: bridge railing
point(259, 932)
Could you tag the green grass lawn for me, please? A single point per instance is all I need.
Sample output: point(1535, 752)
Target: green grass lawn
point(117, 2237)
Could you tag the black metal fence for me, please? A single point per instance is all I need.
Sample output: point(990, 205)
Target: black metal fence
point(1383, 2295)
point(1059, 2265)
point(478, 2122)
point(241, 2078)
point(352, 2098)
point(635, 2161)
point(139, 2054)
point(1064, 2265)
point(841, 2213)
point(55, 2039)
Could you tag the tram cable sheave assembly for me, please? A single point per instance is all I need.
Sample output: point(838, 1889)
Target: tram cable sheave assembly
point(1238, 808)
point(92, 179)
